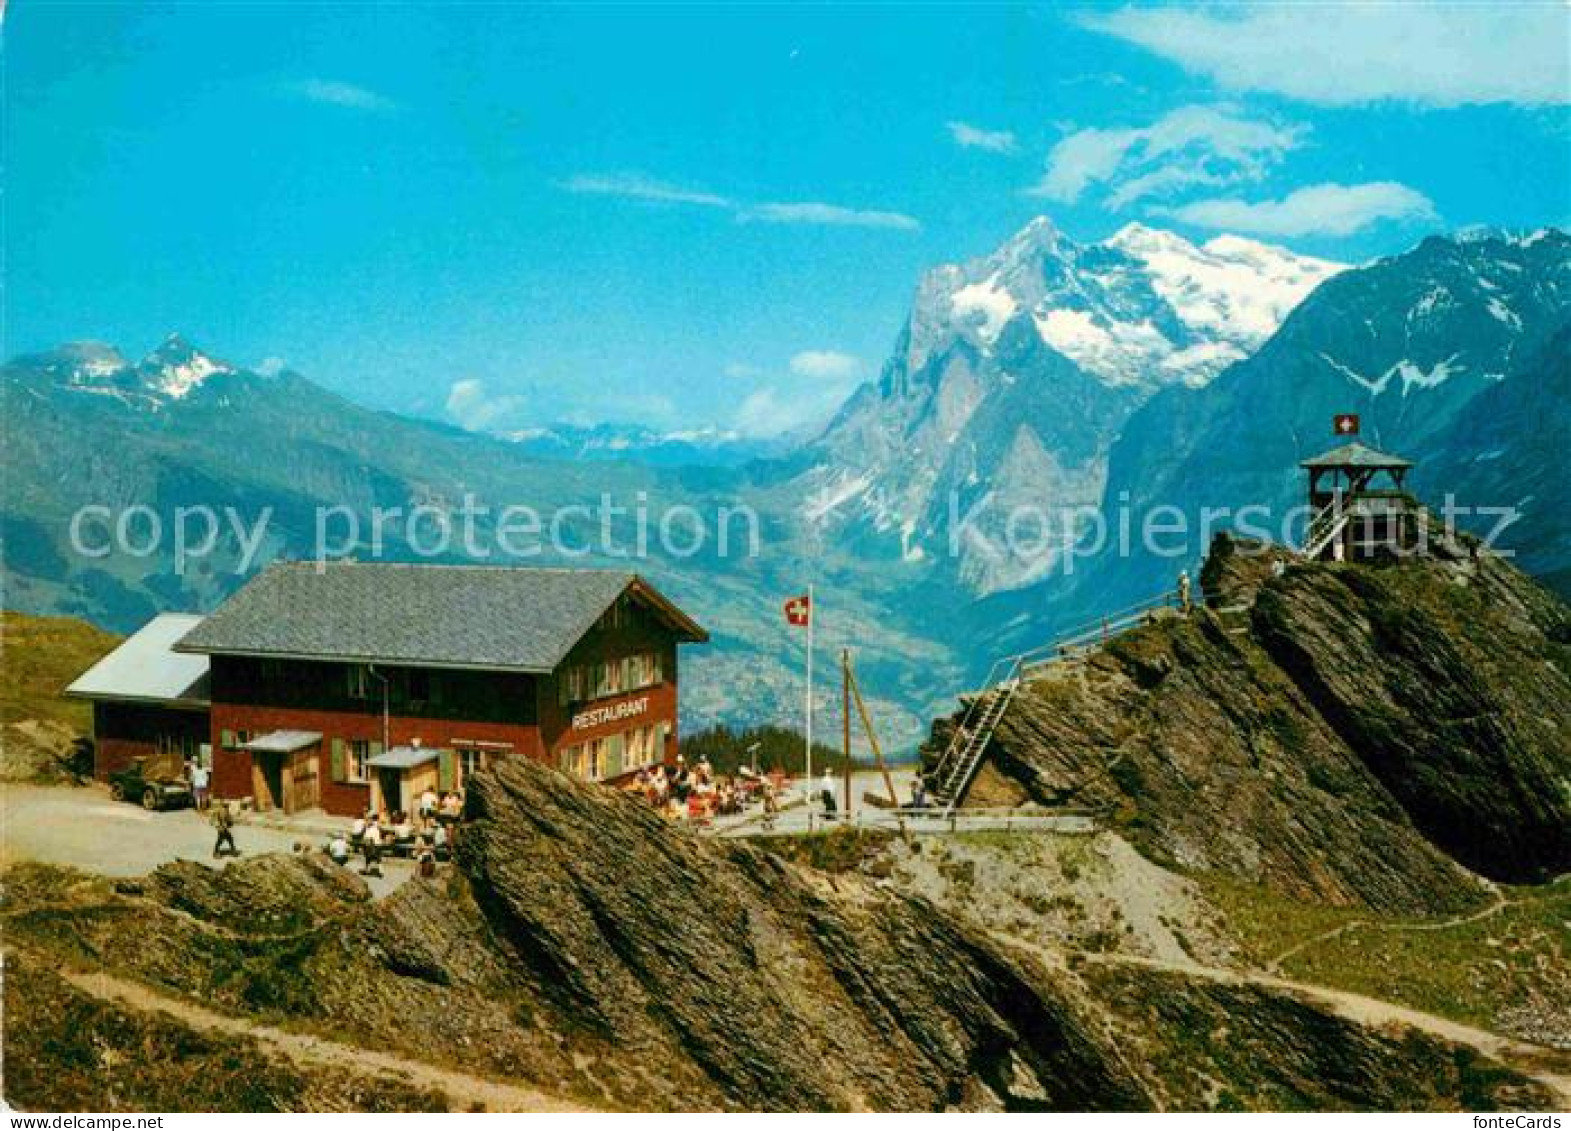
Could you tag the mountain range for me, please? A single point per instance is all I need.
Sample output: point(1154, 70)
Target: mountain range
point(1048, 378)
point(689, 447)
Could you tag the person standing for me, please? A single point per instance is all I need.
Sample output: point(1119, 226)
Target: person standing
point(224, 822)
point(199, 780)
point(826, 794)
point(371, 846)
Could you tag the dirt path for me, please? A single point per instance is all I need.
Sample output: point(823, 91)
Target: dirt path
point(1549, 1067)
point(462, 1090)
point(1500, 904)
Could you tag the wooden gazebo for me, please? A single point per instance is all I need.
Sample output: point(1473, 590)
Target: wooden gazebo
point(1359, 505)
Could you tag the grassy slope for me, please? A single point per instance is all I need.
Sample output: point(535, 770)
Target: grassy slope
point(39, 656)
point(1497, 970)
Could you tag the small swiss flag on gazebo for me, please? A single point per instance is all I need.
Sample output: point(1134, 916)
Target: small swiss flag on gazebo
point(799, 610)
point(1345, 424)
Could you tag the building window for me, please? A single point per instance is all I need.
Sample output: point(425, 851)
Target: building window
point(586, 760)
point(640, 747)
point(470, 761)
point(357, 752)
point(571, 685)
point(357, 681)
point(643, 670)
point(177, 748)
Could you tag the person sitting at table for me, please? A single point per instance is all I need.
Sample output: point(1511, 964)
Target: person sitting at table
point(428, 803)
point(357, 830)
point(453, 806)
point(440, 841)
point(403, 827)
point(338, 848)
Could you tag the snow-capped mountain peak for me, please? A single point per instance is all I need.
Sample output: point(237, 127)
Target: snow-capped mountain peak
point(1144, 308)
point(1234, 290)
point(177, 367)
point(78, 361)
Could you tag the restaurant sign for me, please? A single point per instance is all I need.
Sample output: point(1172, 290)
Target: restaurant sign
point(615, 712)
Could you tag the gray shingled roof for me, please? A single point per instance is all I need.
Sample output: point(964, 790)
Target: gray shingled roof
point(1356, 455)
point(426, 615)
point(144, 668)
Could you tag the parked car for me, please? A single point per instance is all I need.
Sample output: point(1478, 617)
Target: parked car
point(153, 793)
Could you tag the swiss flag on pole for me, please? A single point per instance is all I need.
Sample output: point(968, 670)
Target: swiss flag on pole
point(799, 610)
point(1345, 424)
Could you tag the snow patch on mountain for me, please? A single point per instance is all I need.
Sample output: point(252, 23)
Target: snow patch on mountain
point(1145, 308)
point(988, 302)
point(1235, 289)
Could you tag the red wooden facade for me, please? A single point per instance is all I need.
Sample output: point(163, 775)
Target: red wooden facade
point(164, 736)
point(465, 717)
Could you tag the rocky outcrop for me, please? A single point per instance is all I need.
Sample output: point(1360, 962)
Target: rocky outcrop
point(1354, 734)
point(750, 982)
point(585, 947)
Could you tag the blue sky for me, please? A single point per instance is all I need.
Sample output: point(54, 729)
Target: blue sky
point(510, 215)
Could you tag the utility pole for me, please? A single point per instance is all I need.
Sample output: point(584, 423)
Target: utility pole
point(845, 721)
point(807, 772)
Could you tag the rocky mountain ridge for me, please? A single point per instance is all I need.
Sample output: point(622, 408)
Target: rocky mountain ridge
point(1395, 736)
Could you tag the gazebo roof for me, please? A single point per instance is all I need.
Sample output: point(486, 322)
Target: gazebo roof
point(1356, 455)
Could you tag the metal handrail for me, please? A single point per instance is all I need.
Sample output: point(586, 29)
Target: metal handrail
point(949, 773)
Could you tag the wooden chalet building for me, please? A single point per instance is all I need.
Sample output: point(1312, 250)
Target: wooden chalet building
point(357, 685)
point(149, 701)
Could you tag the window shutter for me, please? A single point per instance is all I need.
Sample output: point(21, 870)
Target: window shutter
point(375, 748)
point(628, 683)
point(445, 760)
point(339, 771)
point(613, 757)
point(226, 739)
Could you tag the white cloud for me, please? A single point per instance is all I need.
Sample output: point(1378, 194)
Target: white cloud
point(819, 383)
point(1341, 54)
point(772, 411)
point(832, 215)
point(472, 408)
point(825, 365)
point(1187, 147)
point(330, 92)
point(636, 186)
point(967, 136)
point(1324, 209)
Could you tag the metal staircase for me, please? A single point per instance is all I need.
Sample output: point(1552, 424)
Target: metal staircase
point(950, 777)
point(1325, 528)
point(954, 771)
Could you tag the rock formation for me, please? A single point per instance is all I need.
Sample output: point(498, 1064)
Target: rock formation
point(1367, 734)
point(585, 947)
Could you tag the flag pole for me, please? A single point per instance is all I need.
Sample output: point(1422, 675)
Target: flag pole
point(807, 779)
